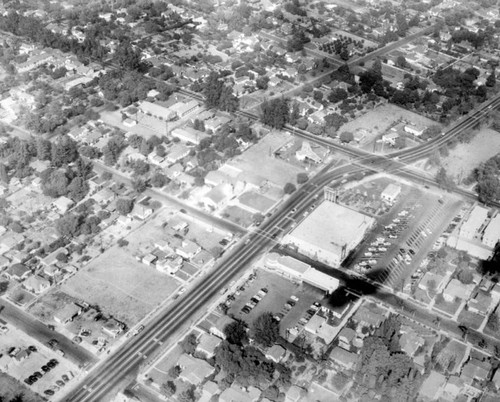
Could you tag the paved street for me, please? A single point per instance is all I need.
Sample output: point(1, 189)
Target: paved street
point(38, 330)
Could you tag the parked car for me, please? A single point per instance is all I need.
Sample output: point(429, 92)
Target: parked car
point(48, 392)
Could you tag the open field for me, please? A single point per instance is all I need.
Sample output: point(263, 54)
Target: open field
point(465, 157)
point(121, 285)
point(380, 119)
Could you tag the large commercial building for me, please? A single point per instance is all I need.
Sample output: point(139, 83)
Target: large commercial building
point(298, 270)
point(492, 232)
point(470, 228)
point(329, 233)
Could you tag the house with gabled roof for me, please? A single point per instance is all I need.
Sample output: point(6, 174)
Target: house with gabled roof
point(18, 272)
point(207, 344)
point(36, 284)
point(194, 370)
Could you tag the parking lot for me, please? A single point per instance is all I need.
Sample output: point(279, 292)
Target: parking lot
point(402, 237)
point(23, 357)
point(285, 299)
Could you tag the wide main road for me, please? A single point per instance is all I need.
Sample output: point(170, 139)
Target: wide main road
point(127, 359)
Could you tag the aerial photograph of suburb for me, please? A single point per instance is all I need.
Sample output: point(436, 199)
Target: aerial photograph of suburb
point(249, 200)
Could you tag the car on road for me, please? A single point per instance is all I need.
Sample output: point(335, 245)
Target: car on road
point(53, 343)
point(293, 210)
point(182, 290)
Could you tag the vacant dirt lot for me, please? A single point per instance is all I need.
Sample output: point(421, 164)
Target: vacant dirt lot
point(466, 157)
point(121, 285)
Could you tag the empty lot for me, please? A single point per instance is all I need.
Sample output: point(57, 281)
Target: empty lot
point(121, 285)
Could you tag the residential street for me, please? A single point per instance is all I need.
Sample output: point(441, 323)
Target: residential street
point(43, 334)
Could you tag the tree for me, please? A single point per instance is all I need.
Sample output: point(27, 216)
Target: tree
point(275, 113)
point(124, 205)
point(78, 189)
point(169, 388)
point(302, 178)
point(493, 322)
point(265, 330)
point(174, 372)
point(43, 149)
point(64, 151)
point(228, 102)
point(236, 333)
point(4, 175)
point(289, 188)
point(68, 225)
point(443, 179)
point(491, 80)
point(139, 185)
point(337, 95)
point(401, 61)
point(346, 136)
point(188, 395)
point(158, 180)
point(465, 276)
point(189, 343)
point(212, 90)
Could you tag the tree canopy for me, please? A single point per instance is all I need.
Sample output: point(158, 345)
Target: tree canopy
point(265, 330)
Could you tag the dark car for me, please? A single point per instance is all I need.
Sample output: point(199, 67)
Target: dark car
point(264, 290)
point(51, 365)
point(33, 379)
point(45, 368)
point(65, 378)
point(38, 374)
point(28, 381)
point(54, 361)
point(48, 392)
point(32, 348)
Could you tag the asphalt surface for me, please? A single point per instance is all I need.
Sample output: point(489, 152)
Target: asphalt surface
point(36, 329)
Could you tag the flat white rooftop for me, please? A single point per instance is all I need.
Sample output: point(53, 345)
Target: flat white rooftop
point(331, 226)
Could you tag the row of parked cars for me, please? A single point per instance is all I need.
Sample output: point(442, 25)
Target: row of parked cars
point(254, 300)
point(286, 308)
point(45, 369)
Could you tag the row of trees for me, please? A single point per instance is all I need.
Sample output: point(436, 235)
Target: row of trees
point(218, 94)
